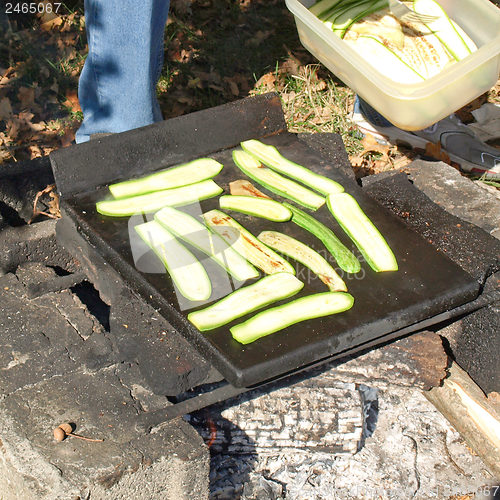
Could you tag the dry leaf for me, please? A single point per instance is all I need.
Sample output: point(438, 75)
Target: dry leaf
point(267, 81)
point(68, 137)
point(54, 204)
point(5, 108)
point(434, 151)
point(72, 101)
point(54, 213)
point(233, 86)
point(258, 37)
point(51, 24)
point(356, 160)
point(27, 96)
point(34, 151)
point(370, 144)
point(194, 83)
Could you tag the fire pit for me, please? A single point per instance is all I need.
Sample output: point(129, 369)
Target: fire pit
point(143, 337)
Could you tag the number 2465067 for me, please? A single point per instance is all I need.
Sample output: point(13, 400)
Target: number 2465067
point(32, 7)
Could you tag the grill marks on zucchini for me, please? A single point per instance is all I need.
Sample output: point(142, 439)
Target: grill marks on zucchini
point(184, 268)
point(275, 319)
point(198, 235)
point(246, 244)
point(306, 256)
point(362, 232)
point(246, 300)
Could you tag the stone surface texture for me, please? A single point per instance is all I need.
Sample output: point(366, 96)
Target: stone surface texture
point(44, 383)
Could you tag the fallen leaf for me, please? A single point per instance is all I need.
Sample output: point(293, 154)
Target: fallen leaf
point(233, 86)
point(27, 96)
point(35, 151)
point(370, 144)
point(54, 204)
point(55, 201)
point(72, 101)
point(266, 81)
point(12, 128)
point(434, 150)
point(258, 37)
point(51, 24)
point(356, 160)
point(194, 83)
point(68, 137)
point(5, 108)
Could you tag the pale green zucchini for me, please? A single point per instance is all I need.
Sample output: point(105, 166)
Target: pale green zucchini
point(259, 207)
point(151, 202)
point(344, 257)
point(344, 19)
point(184, 268)
point(275, 182)
point(362, 232)
point(272, 158)
point(454, 39)
point(246, 300)
point(198, 235)
point(323, 8)
point(180, 175)
point(246, 244)
point(305, 255)
point(304, 308)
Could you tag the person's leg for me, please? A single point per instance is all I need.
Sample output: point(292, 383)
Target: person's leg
point(117, 88)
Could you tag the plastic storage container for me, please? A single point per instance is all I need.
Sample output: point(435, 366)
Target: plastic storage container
point(412, 106)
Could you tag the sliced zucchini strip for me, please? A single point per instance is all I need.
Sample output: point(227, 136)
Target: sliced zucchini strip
point(246, 300)
point(454, 39)
point(197, 234)
point(151, 202)
point(344, 257)
point(272, 158)
point(275, 182)
point(304, 308)
point(362, 232)
point(343, 19)
point(246, 244)
point(184, 268)
point(259, 207)
point(307, 256)
point(180, 175)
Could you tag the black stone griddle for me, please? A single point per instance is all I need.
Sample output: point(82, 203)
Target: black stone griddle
point(427, 284)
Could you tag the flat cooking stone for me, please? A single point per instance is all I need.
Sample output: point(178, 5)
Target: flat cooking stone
point(332, 148)
point(469, 246)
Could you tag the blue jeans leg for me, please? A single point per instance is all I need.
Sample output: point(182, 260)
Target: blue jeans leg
point(117, 87)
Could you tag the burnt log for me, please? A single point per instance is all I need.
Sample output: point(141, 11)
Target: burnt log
point(471, 413)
